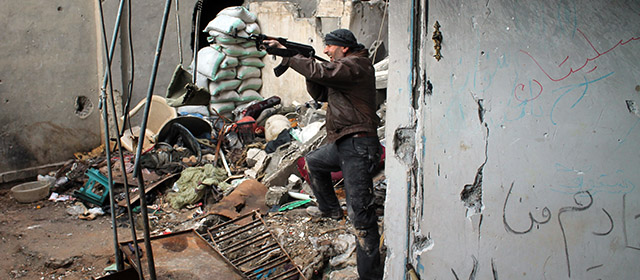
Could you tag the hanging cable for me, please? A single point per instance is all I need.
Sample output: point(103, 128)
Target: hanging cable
point(384, 15)
point(178, 30)
point(127, 122)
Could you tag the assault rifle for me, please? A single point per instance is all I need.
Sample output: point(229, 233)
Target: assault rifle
point(292, 48)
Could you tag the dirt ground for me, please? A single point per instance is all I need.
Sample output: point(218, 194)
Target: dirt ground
point(40, 240)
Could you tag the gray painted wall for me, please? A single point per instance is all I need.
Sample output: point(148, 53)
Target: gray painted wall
point(526, 137)
point(48, 54)
point(53, 54)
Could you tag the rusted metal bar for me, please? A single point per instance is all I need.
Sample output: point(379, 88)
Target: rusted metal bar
point(254, 251)
point(285, 274)
point(255, 255)
point(231, 221)
point(269, 265)
point(239, 245)
point(239, 231)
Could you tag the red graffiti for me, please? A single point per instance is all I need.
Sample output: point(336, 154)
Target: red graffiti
point(571, 70)
point(520, 88)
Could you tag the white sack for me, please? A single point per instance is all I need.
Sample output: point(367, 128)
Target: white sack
point(225, 24)
point(225, 96)
point(209, 60)
point(246, 72)
point(251, 83)
point(217, 87)
point(221, 108)
point(274, 125)
point(251, 61)
point(249, 95)
point(239, 12)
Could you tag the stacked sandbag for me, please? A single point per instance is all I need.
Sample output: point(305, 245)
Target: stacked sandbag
point(231, 66)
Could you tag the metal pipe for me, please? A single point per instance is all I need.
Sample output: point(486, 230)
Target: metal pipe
point(178, 29)
point(143, 127)
point(195, 43)
point(109, 55)
point(119, 262)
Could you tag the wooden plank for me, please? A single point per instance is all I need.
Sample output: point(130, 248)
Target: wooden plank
point(134, 198)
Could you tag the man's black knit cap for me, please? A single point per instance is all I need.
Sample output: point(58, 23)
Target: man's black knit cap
point(344, 38)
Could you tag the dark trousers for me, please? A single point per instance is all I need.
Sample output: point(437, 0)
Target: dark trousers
point(357, 158)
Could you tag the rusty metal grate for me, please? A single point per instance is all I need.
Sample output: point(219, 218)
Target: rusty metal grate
point(250, 246)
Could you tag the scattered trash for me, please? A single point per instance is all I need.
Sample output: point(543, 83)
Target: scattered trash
point(60, 197)
point(77, 209)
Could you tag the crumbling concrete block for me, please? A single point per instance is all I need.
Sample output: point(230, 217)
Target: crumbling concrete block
point(255, 157)
point(276, 195)
point(283, 161)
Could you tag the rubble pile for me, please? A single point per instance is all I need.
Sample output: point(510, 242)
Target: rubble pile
point(211, 164)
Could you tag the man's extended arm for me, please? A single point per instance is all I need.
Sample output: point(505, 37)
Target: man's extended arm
point(317, 91)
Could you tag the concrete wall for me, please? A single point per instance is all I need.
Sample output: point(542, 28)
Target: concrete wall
point(48, 93)
point(54, 61)
point(520, 157)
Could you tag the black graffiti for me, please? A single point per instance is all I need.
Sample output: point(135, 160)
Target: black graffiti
point(624, 223)
point(581, 207)
point(546, 214)
point(474, 271)
point(610, 222)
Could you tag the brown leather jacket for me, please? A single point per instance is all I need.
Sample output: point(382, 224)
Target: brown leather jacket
point(348, 85)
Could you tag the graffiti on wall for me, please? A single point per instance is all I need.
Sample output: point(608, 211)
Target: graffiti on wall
point(583, 200)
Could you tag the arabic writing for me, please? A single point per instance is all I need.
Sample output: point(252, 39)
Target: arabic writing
point(585, 180)
point(571, 70)
point(583, 200)
point(526, 92)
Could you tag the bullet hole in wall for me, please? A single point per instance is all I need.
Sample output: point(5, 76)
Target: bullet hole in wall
point(83, 106)
point(59, 9)
point(638, 88)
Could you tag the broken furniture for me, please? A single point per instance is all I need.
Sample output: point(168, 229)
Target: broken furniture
point(159, 113)
point(167, 180)
point(249, 245)
point(91, 192)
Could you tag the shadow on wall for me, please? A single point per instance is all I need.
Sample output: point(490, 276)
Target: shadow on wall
point(210, 8)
